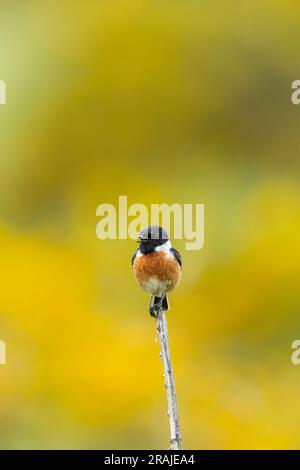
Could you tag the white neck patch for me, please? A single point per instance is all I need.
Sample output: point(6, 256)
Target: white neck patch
point(164, 247)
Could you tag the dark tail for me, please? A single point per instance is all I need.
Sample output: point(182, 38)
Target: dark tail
point(165, 303)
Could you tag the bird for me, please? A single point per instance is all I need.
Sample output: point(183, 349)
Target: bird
point(157, 266)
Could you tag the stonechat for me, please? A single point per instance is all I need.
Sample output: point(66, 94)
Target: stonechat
point(157, 266)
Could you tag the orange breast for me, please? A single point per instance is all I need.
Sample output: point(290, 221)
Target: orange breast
point(157, 265)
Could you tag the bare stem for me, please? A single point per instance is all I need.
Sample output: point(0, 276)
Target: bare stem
point(162, 332)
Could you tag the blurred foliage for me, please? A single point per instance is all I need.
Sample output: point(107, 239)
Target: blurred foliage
point(164, 102)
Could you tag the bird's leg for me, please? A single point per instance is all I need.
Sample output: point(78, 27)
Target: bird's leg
point(151, 307)
point(159, 304)
point(155, 307)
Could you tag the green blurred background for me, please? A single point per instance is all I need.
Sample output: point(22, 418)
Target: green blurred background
point(169, 101)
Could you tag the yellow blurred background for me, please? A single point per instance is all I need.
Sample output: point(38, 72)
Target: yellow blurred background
point(169, 101)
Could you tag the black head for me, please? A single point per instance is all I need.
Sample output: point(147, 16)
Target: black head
point(151, 237)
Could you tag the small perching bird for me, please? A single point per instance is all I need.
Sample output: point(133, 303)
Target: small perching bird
point(156, 266)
